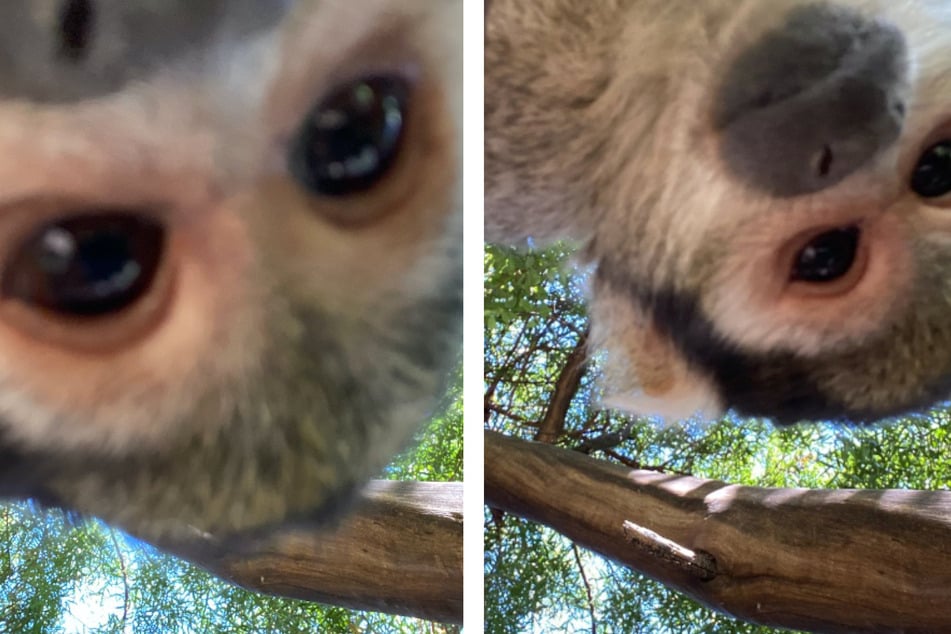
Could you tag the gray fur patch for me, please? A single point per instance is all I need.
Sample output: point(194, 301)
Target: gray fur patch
point(56, 51)
point(814, 101)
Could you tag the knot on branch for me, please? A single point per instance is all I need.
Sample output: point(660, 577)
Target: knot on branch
point(697, 563)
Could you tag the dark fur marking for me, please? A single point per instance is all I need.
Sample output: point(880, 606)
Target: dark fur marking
point(773, 385)
point(823, 85)
point(60, 60)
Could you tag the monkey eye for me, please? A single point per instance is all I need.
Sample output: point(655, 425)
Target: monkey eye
point(351, 139)
point(932, 175)
point(827, 257)
point(86, 265)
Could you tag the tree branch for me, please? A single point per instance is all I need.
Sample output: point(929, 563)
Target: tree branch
point(587, 588)
point(820, 560)
point(566, 386)
point(399, 551)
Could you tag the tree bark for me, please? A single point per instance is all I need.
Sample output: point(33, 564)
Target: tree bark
point(818, 560)
point(399, 551)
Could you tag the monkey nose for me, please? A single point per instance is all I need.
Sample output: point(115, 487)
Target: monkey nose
point(812, 101)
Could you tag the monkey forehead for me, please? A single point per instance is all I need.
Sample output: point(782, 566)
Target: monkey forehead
point(121, 40)
point(152, 143)
point(223, 104)
point(186, 111)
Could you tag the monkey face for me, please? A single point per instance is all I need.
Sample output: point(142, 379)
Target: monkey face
point(230, 252)
point(765, 191)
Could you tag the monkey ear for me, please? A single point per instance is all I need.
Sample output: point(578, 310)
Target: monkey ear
point(644, 373)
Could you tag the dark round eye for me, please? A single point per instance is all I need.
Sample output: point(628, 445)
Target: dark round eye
point(86, 266)
point(353, 136)
point(827, 257)
point(932, 175)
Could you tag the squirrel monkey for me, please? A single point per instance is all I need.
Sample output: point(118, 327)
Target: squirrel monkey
point(763, 190)
point(230, 252)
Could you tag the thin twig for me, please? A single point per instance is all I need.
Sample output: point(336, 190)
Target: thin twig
point(587, 589)
point(125, 579)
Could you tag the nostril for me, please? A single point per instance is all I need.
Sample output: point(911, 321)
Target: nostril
point(824, 164)
point(899, 109)
point(77, 18)
point(88, 265)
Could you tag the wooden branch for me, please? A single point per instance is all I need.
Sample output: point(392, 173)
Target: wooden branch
point(569, 380)
point(399, 552)
point(819, 560)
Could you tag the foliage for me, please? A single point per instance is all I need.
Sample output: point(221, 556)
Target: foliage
point(58, 574)
point(537, 581)
point(436, 453)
